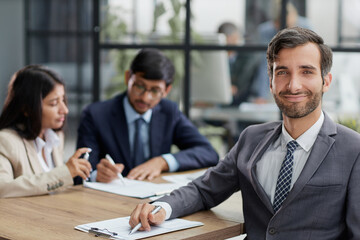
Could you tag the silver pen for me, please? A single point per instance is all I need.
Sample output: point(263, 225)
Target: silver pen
point(86, 157)
point(157, 208)
point(108, 157)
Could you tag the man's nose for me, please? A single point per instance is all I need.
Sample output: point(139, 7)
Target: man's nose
point(294, 83)
point(146, 96)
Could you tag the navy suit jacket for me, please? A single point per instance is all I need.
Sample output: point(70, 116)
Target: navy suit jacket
point(103, 128)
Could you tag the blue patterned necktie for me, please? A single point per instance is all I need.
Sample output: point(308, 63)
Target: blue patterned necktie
point(284, 179)
point(138, 152)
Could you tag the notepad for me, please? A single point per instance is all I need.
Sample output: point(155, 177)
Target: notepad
point(134, 188)
point(119, 228)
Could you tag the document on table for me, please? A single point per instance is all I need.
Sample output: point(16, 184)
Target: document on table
point(183, 179)
point(119, 228)
point(134, 188)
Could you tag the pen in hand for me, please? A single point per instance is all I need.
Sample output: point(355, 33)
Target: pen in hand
point(107, 156)
point(157, 209)
point(86, 157)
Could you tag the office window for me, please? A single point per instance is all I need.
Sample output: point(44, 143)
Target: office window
point(59, 36)
point(93, 47)
point(142, 21)
point(225, 92)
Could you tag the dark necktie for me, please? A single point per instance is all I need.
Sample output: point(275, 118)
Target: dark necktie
point(284, 179)
point(138, 153)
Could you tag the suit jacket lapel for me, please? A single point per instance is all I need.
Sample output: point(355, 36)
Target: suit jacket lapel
point(318, 153)
point(156, 131)
point(32, 156)
point(258, 152)
point(120, 130)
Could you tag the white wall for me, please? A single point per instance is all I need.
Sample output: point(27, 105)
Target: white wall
point(209, 14)
point(323, 16)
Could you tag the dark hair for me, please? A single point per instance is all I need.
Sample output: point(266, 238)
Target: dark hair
point(228, 28)
point(154, 64)
point(296, 36)
point(22, 110)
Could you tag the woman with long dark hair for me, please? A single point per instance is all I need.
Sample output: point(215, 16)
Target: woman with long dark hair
point(31, 139)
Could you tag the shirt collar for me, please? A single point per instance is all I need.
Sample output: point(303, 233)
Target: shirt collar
point(132, 115)
point(305, 140)
point(51, 140)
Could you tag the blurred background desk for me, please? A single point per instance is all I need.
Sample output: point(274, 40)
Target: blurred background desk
point(246, 112)
point(55, 216)
point(232, 120)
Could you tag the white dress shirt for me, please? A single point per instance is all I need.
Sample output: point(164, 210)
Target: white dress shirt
point(268, 167)
point(51, 141)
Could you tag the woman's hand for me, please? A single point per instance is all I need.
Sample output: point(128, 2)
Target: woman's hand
point(79, 166)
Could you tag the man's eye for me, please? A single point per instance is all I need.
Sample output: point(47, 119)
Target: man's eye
point(281, 72)
point(140, 87)
point(155, 91)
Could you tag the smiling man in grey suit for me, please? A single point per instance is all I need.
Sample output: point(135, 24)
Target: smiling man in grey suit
point(314, 192)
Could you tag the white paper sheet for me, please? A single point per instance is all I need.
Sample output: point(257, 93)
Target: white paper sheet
point(183, 179)
point(121, 227)
point(133, 188)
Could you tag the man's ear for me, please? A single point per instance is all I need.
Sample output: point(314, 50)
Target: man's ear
point(127, 77)
point(270, 84)
point(326, 82)
point(167, 90)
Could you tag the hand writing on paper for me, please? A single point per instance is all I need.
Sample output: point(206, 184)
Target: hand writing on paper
point(149, 169)
point(78, 166)
point(107, 172)
point(142, 213)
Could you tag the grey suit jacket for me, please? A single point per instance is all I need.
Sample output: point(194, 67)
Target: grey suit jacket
point(323, 204)
point(20, 171)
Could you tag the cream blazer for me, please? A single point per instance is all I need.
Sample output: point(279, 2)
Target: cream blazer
point(20, 171)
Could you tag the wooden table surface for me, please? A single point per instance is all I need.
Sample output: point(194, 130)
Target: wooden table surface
point(55, 216)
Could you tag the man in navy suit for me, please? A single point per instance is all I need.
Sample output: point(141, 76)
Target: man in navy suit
point(110, 127)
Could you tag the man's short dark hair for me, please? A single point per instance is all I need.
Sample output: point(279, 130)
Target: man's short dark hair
point(154, 65)
point(297, 36)
point(228, 28)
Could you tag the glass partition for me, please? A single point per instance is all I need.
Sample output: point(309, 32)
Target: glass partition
point(61, 36)
point(142, 21)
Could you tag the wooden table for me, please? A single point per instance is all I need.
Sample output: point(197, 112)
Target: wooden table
point(55, 216)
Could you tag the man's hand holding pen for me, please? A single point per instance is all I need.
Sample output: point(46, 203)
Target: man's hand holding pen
point(107, 172)
point(143, 215)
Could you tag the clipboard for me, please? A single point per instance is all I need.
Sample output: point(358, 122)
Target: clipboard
point(119, 228)
point(102, 232)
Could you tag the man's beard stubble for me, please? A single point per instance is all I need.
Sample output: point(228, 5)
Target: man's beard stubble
point(292, 110)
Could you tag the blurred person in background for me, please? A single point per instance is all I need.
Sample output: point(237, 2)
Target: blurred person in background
point(243, 65)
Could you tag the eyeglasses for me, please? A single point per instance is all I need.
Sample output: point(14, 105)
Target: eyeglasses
point(139, 90)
